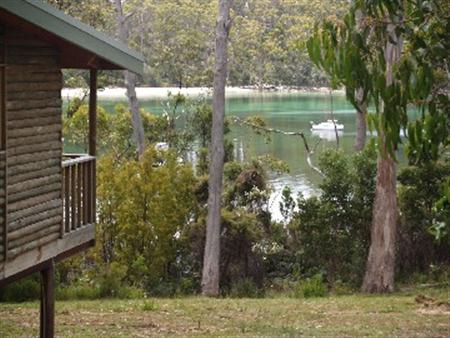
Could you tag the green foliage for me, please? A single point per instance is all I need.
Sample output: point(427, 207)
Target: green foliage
point(331, 232)
point(265, 39)
point(110, 279)
point(23, 290)
point(420, 191)
point(96, 13)
point(201, 122)
point(79, 291)
point(287, 204)
point(245, 226)
point(245, 288)
point(142, 208)
point(351, 52)
point(114, 131)
point(429, 137)
point(90, 291)
point(177, 39)
point(149, 305)
point(340, 288)
point(76, 127)
point(311, 287)
point(440, 228)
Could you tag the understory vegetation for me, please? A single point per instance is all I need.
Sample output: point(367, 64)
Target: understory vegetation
point(152, 213)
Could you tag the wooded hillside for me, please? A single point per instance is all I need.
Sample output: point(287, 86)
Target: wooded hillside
point(177, 38)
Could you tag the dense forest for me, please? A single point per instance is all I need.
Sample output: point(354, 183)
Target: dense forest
point(267, 43)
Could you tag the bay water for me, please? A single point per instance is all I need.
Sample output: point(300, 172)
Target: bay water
point(287, 112)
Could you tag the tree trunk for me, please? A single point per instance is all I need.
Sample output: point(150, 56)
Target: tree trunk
point(211, 260)
point(361, 128)
point(380, 268)
point(361, 131)
point(130, 84)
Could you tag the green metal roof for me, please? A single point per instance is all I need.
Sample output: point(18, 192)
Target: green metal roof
point(75, 32)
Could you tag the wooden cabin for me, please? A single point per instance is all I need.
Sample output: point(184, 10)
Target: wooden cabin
point(47, 198)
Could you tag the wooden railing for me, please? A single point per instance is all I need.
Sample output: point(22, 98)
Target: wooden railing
point(78, 191)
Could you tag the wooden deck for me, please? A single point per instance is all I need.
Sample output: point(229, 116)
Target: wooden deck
point(76, 226)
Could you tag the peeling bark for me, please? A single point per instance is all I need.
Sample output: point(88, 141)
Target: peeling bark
point(380, 268)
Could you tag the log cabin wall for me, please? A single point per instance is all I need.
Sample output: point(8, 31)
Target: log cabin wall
point(3, 229)
point(33, 144)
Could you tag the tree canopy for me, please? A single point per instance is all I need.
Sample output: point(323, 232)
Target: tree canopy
point(177, 38)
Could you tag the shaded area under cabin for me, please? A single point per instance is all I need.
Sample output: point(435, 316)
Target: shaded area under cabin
point(47, 198)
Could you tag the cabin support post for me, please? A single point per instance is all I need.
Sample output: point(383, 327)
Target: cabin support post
point(93, 137)
point(48, 301)
point(93, 112)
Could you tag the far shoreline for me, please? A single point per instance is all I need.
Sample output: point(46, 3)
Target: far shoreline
point(118, 93)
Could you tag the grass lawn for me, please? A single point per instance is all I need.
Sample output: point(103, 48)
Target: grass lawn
point(356, 315)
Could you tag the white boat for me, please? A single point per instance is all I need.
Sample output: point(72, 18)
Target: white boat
point(327, 135)
point(328, 125)
point(162, 146)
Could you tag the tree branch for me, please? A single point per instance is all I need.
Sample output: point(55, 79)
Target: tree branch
point(309, 152)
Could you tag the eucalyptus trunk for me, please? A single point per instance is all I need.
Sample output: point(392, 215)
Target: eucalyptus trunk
point(361, 101)
point(130, 83)
point(380, 268)
point(211, 260)
point(361, 126)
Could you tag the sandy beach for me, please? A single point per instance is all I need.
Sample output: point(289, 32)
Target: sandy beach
point(117, 93)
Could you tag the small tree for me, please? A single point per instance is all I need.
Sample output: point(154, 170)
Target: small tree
point(371, 54)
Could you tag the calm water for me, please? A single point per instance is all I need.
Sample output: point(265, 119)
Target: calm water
point(290, 112)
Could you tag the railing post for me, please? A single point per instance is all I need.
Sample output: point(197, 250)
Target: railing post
point(85, 192)
point(67, 192)
point(92, 191)
point(93, 137)
point(73, 201)
point(78, 193)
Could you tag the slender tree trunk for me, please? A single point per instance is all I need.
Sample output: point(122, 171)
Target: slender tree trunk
point(361, 127)
point(130, 84)
point(380, 268)
point(210, 276)
point(361, 131)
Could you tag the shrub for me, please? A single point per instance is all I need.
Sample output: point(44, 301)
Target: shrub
point(143, 207)
point(311, 287)
point(92, 292)
point(340, 288)
point(331, 233)
point(149, 305)
point(79, 292)
point(186, 286)
point(421, 187)
point(23, 290)
point(245, 288)
point(110, 280)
